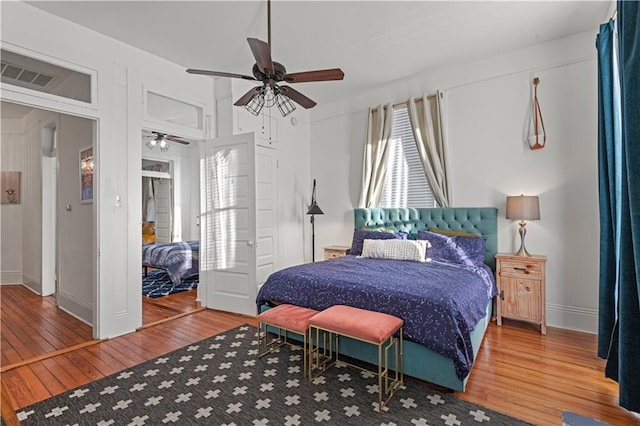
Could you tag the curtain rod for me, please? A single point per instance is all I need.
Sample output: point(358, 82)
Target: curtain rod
point(405, 102)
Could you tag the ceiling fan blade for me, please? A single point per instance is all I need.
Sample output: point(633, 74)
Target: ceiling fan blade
point(262, 53)
point(319, 75)
point(176, 139)
point(247, 96)
point(220, 74)
point(297, 97)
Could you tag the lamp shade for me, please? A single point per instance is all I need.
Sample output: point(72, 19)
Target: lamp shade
point(314, 209)
point(523, 207)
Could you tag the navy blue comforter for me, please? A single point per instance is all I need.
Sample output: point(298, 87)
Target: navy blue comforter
point(180, 259)
point(440, 303)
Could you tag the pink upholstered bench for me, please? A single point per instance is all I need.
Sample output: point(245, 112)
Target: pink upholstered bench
point(376, 328)
point(285, 318)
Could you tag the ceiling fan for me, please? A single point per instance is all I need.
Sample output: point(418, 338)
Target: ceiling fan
point(162, 140)
point(271, 73)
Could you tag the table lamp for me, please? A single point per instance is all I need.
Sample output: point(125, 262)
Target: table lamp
point(523, 207)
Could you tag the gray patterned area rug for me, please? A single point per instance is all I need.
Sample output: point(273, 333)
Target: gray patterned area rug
point(220, 381)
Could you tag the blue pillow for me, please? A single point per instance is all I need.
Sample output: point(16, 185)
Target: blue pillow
point(360, 235)
point(455, 249)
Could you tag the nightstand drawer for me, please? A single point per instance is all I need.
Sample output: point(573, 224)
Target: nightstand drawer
point(522, 269)
point(332, 252)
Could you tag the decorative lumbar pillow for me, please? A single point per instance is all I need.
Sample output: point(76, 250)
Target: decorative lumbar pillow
point(359, 236)
point(452, 233)
point(391, 231)
point(455, 249)
point(413, 250)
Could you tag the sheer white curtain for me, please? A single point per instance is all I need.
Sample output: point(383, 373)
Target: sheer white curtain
point(376, 152)
point(427, 124)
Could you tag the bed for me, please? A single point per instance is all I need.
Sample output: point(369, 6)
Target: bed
point(419, 293)
point(179, 259)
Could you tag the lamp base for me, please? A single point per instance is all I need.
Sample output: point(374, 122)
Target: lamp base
point(523, 231)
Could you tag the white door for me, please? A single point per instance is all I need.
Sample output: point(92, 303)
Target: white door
point(163, 194)
point(266, 212)
point(228, 224)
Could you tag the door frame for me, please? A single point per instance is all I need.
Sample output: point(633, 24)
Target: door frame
point(58, 107)
point(49, 199)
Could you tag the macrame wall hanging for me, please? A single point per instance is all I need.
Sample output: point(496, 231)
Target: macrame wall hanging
point(538, 137)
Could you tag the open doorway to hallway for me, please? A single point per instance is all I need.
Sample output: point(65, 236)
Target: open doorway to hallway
point(47, 264)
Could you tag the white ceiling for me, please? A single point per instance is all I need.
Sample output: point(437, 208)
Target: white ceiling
point(374, 42)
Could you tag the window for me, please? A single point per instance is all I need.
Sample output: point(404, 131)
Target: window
point(405, 184)
point(174, 111)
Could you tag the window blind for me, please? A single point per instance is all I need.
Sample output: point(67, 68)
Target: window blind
point(405, 182)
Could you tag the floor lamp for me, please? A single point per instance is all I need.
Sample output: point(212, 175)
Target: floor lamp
point(314, 209)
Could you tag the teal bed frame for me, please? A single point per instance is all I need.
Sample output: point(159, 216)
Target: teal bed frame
point(419, 361)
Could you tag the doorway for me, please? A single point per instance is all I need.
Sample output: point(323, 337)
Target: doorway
point(47, 280)
point(170, 233)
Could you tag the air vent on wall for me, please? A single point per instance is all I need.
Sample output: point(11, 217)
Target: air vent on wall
point(24, 75)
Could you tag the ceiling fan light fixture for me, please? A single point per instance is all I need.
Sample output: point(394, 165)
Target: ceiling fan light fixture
point(255, 104)
point(160, 141)
point(270, 73)
point(285, 105)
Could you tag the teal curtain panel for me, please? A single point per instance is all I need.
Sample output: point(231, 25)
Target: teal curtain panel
point(619, 189)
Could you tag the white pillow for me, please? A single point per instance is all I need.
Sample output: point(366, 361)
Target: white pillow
point(414, 250)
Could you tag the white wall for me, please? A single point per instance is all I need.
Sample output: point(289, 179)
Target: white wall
point(487, 105)
point(11, 160)
point(75, 221)
point(122, 73)
point(294, 189)
point(32, 191)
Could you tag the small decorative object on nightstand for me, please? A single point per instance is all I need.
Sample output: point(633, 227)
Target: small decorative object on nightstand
point(336, 251)
point(521, 288)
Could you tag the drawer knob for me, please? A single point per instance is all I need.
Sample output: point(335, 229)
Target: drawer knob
point(528, 288)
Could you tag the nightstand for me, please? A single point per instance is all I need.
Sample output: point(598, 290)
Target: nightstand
point(521, 288)
point(336, 251)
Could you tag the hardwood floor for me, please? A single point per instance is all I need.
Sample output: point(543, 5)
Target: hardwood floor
point(33, 326)
point(517, 372)
point(160, 308)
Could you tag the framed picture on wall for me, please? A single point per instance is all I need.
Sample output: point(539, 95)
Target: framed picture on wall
point(86, 175)
point(10, 182)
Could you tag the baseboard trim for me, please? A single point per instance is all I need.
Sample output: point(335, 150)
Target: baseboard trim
point(10, 277)
point(32, 283)
point(74, 307)
point(572, 318)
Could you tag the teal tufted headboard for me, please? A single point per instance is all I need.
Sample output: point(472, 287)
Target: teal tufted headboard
point(477, 220)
